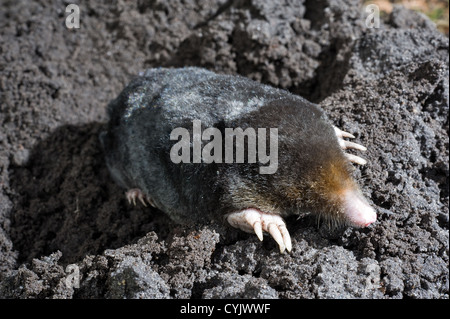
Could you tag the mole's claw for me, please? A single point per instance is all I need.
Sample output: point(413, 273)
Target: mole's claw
point(340, 133)
point(252, 220)
point(286, 237)
point(356, 159)
point(258, 230)
point(276, 234)
point(150, 201)
point(347, 145)
point(142, 200)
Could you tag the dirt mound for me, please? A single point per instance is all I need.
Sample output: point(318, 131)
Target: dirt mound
point(60, 210)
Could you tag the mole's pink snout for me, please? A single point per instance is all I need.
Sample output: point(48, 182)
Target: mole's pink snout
point(357, 210)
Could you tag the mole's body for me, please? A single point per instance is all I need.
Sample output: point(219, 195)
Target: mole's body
point(312, 173)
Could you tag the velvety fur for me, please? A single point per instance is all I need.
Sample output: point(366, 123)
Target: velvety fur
point(312, 168)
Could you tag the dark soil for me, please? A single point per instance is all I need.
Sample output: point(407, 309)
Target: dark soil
point(59, 206)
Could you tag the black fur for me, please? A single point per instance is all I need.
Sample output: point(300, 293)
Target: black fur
point(137, 144)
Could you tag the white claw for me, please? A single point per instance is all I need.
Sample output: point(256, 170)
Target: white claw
point(286, 237)
point(252, 219)
point(258, 230)
point(141, 199)
point(340, 133)
point(150, 201)
point(350, 145)
point(356, 159)
point(276, 234)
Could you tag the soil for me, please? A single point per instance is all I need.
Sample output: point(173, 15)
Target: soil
point(60, 210)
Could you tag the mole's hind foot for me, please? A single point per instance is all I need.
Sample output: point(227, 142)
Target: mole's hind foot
point(350, 145)
point(252, 220)
point(136, 193)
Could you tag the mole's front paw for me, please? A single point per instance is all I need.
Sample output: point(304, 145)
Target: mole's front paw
point(252, 220)
point(134, 193)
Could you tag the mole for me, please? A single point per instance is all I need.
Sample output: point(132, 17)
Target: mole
point(311, 172)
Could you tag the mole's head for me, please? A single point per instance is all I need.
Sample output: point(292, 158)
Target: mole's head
point(326, 187)
point(313, 174)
